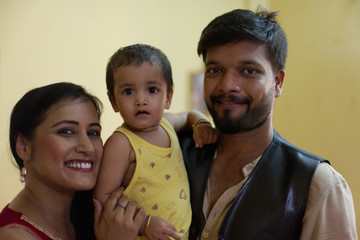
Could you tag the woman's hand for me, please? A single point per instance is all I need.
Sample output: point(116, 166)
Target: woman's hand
point(119, 219)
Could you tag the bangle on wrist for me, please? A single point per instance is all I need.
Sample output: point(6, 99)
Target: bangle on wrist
point(147, 224)
point(199, 122)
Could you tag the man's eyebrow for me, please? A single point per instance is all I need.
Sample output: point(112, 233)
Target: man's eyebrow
point(241, 62)
point(211, 62)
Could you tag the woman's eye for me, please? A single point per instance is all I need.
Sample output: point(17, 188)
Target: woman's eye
point(65, 131)
point(95, 133)
point(153, 90)
point(128, 91)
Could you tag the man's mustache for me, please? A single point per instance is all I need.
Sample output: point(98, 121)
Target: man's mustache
point(228, 98)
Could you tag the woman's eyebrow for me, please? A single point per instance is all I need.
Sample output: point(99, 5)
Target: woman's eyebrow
point(66, 121)
point(96, 124)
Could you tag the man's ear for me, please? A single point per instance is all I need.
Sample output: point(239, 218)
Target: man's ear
point(113, 102)
point(279, 80)
point(23, 147)
point(169, 96)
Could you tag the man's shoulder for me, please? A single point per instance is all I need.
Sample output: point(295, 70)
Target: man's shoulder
point(293, 150)
point(326, 177)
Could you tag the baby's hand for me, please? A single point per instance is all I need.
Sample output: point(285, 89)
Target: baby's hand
point(203, 134)
point(161, 229)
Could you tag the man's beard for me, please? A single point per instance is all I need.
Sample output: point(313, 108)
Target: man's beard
point(253, 117)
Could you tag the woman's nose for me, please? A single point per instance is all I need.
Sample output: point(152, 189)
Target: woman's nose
point(85, 145)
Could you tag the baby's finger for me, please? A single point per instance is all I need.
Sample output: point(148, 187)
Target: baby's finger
point(196, 139)
point(213, 137)
point(173, 234)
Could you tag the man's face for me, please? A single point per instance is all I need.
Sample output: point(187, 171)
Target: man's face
point(240, 86)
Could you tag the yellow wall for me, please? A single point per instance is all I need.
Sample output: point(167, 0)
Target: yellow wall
point(42, 42)
point(48, 41)
point(320, 106)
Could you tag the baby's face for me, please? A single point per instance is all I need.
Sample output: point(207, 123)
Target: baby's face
point(140, 95)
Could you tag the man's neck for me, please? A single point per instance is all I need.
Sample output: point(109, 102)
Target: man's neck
point(233, 153)
point(244, 147)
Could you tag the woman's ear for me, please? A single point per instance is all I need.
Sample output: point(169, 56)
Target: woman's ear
point(23, 148)
point(169, 96)
point(113, 102)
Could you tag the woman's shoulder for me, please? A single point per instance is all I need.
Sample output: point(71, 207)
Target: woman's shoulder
point(14, 225)
point(16, 232)
point(11, 227)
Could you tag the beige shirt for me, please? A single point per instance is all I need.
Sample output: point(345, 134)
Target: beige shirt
point(329, 212)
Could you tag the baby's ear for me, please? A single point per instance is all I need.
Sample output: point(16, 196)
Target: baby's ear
point(169, 96)
point(113, 102)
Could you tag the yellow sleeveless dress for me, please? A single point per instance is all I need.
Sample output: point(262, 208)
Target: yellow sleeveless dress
point(160, 183)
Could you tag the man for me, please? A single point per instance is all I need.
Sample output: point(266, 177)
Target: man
point(253, 184)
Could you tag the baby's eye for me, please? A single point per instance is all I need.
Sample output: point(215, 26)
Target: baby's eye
point(153, 90)
point(128, 91)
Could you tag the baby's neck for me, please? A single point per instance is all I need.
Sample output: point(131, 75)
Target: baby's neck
point(155, 135)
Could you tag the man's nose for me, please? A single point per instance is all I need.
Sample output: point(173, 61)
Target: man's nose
point(230, 82)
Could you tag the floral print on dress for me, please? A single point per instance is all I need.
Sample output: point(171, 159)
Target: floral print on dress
point(171, 208)
point(183, 194)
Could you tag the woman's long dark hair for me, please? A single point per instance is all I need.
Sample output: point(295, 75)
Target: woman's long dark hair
point(28, 113)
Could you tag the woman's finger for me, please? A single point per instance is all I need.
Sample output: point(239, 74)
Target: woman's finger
point(97, 211)
point(113, 199)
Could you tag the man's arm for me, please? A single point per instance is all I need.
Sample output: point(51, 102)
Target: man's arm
point(330, 210)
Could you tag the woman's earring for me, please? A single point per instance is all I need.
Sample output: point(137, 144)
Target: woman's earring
point(23, 174)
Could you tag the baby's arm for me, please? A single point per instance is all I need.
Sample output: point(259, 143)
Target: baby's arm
point(114, 165)
point(203, 132)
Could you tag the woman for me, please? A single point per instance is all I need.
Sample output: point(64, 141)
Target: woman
point(55, 138)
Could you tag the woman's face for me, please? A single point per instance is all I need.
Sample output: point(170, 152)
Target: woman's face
point(66, 149)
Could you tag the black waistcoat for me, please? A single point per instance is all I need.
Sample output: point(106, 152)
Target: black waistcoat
point(272, 202)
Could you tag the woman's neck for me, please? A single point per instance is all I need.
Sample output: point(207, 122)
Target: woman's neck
point(47, 210)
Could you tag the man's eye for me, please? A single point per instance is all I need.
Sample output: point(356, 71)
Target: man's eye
point(213, 70)
point(153, 90)
point(250, 71)
point(128, 91)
